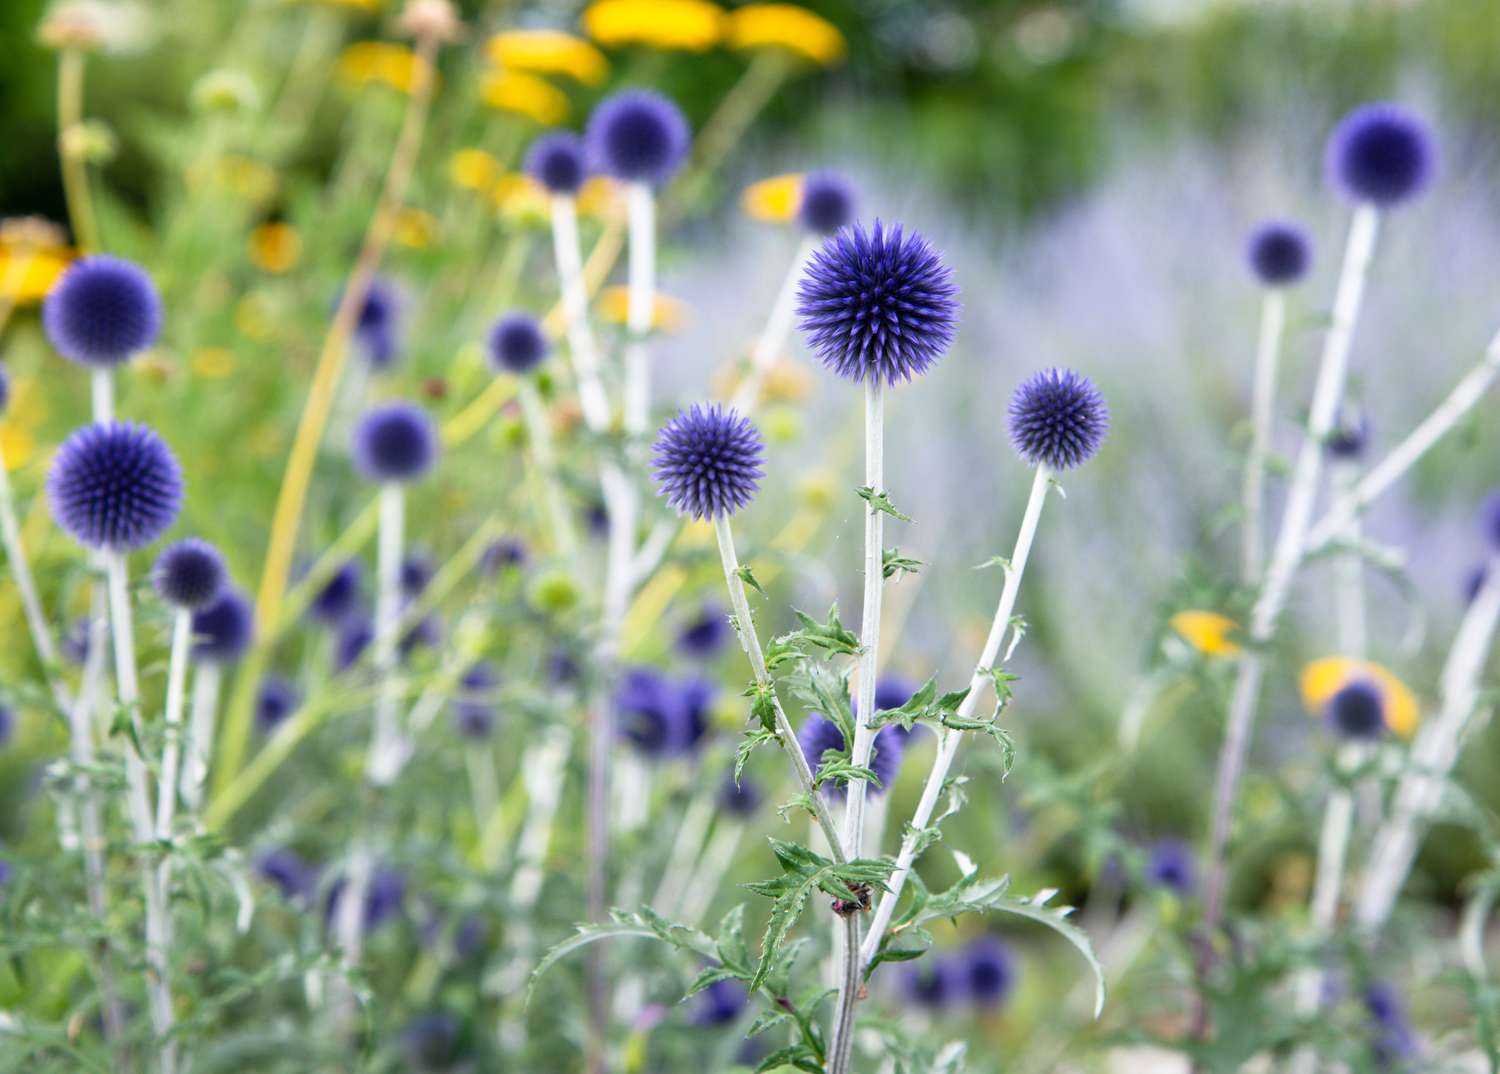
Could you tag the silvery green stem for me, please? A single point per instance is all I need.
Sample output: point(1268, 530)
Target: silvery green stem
point(575, 301)
point(1349, 595)
point(773, 336)
point(750, 642)
point(1262, 410)
point(177, 664)
point(102, 384)
point(540, 434)
point(31, 604)
point(847, 950)
point(543, 768)
point(207, 678)
point(386, 748)
point(869, 630)
point(1432, 757)
point(686, 848)
point(640, 207)
point(949, 742)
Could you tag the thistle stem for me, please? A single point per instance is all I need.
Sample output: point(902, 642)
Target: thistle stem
point(177, 664)
point(386, 748)
point(640, 205)
point(687, 846)
point(207, 679)
point(773, 336)
point(575, 301)
point(1267, 354)
point(544, 771)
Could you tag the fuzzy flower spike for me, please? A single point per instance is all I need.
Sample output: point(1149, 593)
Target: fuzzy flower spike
point(189, 574)
point(878, 303)
point(103, 311)
point(1058, 419)
point(1381, 154)
point(115, 486)
point(395, 443)
point(708, 461)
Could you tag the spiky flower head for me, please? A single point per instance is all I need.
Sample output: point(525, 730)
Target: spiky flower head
point(721, 1003)
point(115, 486)
point(819, 734)
point(708, 461)
point(659, 717)
point(1169, 864)
point(989, 968)
point(395, 443)
point(223, 630)
point(1382, 153)
point(1349, 437)
point(1057, 419)
point(339, 596)
point(416, 573)
point(558, 161)
point(1279, 253)
point(517, 343)
point(189, 574)
point(275, 702)
point(739, 799)
point(287, 870)
point(1358, 710)
point(103, 311)
point(637, 136)
point(827, 202)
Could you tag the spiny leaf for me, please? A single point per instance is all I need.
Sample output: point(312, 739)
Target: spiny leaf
point(879, 501)
point(893, 563)
point(645, 923)
point(747, 576)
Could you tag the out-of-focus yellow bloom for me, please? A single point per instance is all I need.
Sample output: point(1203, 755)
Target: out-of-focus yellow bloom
point(27, 409)
point(690, 25)
point(252, 319)
point(517, 194)
point(787, 382)
point(818, 489)
point(353, 5)
point(245, 177)
point(16, 444)
point(365, 62)
point(212, 363)
point(1323, 678)
point(548, 52)
point(152, 367)
point(526, 95)
point(667, 313)
point(774, 200)
point(599, 196)
point(782, 424)
point(415, 228)
point(1208, 632)
point(473, 169)
point(27, 275)
point(275, 247)
point(786, 26)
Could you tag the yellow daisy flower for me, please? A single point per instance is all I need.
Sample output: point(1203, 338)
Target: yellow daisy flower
point(26, 411)
point(667, 313)
point(789, 27)
point(473, 169)
point(16, 444)
point(548, 52)
point(27, 275)
point(518, 194)
point(687, 25)
point(526, 95)
point(1323, 678)
point(599, 196)
point(245, 177)
point(275, 247)
point(415, 228)
point(365, 62)
point(1208, 632)
point(774, 200)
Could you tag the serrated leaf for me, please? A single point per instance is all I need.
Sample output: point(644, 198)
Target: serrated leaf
point(747, 576)
point(645, 923)
point(879, 501)
point(893, 563)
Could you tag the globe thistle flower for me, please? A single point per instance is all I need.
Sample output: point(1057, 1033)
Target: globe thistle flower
point(989, 970)
point(891, 692)
point(395, 443)
point(707, 461)
point(7, 724)
point(562, 667)
point(1358, 711)
point(819, 734)
point(1394, 1040)
point(878, 303)
point(474, 708)
point(377, 326)
point(286, 870)
point(658, 717)
point(637, 136)
point(706, 633)
point(827, 202)
point(506, 552)
point(339, 596)
point(558, 161)
point(115, 486)
point(1058, 419)
point(934, 984)
point(1382, 154)
point(1348, 438)
point(189, 574)
point(696, 697)
point(384, 897)
point(355, 635)
point(430, 1041)
point(416, 573)
point(739, 799)
point(275, 702)
point(1169, 865)
point(224, 628)
point(1279, 253)
point(721, 1003)
point(517, 344)
point(102, 311)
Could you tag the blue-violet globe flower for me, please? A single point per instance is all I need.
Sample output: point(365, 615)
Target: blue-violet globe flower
point(707, 461)
point(1057, 419)
point(1381, 153)
point(115, 486)
point(102, 311)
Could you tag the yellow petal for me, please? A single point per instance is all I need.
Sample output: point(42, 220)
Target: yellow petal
point(1208, 632)
point(415, 228)
point(548, 52)
point(1323, 678)
point(689, 25)
point(518, 195)
point(774, 200)
point(27, 276)
point(473, 169)
point(786, 26)
point(599, 196)
point(366, 62)
point(667, 313)
point(275, 247)
point(526, 95)
point(16, 445)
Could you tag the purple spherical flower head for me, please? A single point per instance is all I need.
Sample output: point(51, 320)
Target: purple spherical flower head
point(558, 161)
point(355, 635)
point(1394, 1040)
point(395, 443)
point(562, 667)
point(1357, 711)
point(1348, 439)
point(878, 303)
point(1383, 154)
point(637, 136)
point(1279, 253)
point(474, 707)
point(827, 202)
point(739, 799)
point(102, 311)
point(383, 897)
point(189, 574)
point(721, 1003)
point(819, 734)
point(706, 633)
point(933, 984)
point(7, 724)
point(1169, 864)
point(696, 698)
point(377, 327)
point(431, 1041)
point(223, 629)
point(708, 461)
point(275, 702)
point(416, 573)
point(339, 596)
point(1057, 419)
point(517, 343)
point(287, 870)
point(891, 692)
point(989, 968)
point(648, 712)
point(115, 486)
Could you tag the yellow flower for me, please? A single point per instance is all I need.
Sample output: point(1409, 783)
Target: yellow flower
point(415, 228)
point(526, 95)
point(774, 200)
point(1208, 632)
point(473, 169)
point(275, 247)
point(212, 363)
point(16, 445)
point(548, 52)
point(517, 194)
point(690, 25)
point(245, 177)
point(355, 5)
point(27, 275)
point(666, 316)
point(1323, 678)
point(598, 196)
point(786, 26)
point(788, 382)
point(379, 61)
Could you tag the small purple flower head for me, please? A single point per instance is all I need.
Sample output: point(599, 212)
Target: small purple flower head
point(827, 202)
point(377, 328)
point(287, 871)
point(517, 343)
point(706, 633)
point(189, 574)
point(504, 553)
point(395, 442)
point(558, 161)
point(878, 303)
point(596, 517)
point(416, 573)
point(102, 311)
point(1057, 419)
point(223, 629)
point(1380, 153)
point(115, 486)
point(1279, 253)
point(1349, 437)
point(989, 968)
point(356, 633)
point(933, 984)
point(721, 1003)
point(339, 596)
point(383, 898)
point(819, 734)
point(696, 697)
point(1169, 864)
point(661, 718)
point(1357, 711)
point(708, 461)
point(474, 707)
point(1394, 1040)
point(637, 136)
point(739, 799)
point(431, 1041)
point(562, 667)
point(7, 723)
point(275, 703)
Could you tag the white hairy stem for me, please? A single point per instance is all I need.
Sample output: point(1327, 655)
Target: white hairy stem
point(171, 758)
point(640, 208)
point(386, 747)
point(543, 769)
point(575, 300)
point(208, 677)
point(1262, 412)
point(539, 432)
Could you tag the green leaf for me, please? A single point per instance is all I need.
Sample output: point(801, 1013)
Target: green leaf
point(879, 501)
point(894, 564)
point(831, 636)
point(645, 923)
point(747, 576)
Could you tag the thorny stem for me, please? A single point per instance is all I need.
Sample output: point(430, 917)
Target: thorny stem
point(207, 679)
point(773, 336)
point(386, 746)
point(1272, 321)
point(177, 663)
